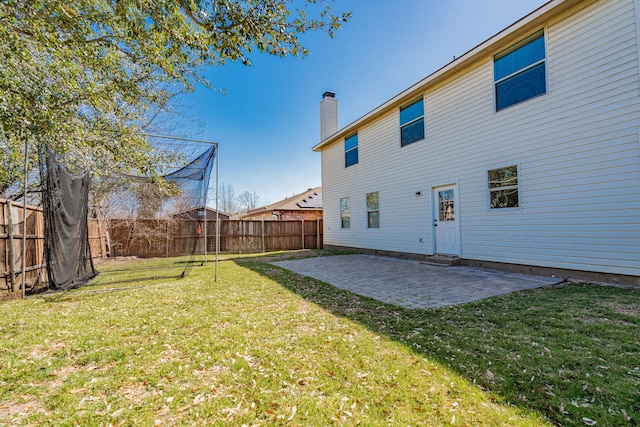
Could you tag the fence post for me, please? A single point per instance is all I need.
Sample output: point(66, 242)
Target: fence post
point(318, 234)
point(102, 254)
point(263, 249)
point(24, 244)
point(167, 243)
point(303, 233)
point(107, 239)
point(12, 269)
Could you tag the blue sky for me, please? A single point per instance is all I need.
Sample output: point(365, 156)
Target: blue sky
point(269, 118)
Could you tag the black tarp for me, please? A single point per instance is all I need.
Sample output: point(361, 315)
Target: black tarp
point(65, 202)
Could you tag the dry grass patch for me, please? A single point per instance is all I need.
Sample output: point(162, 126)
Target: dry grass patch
point(15, 413)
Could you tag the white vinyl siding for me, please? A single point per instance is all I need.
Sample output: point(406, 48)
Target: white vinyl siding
point(576, 148)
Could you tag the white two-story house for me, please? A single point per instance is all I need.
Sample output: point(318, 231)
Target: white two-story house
point(523, 153)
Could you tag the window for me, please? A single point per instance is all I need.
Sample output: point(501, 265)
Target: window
point(351, 151)
point(519, 72)
point(503, 187)
point(412, 123)
point(373, 210)
point(446, 208)
point(345, 212)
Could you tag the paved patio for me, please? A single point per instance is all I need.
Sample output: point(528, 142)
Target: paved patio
point(413, 284)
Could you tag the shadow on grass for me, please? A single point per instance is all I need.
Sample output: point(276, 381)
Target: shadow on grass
point(133, 280)
point(150, 271)
point(570, 352)
point(144, 270)
point(129, 276)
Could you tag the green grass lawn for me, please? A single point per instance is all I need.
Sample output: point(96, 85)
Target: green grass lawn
point(264, 346)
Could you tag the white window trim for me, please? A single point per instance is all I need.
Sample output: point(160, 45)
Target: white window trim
point(340, 215)
point(499, 211)
point(366, 207)
point(545, 32)
point(423, 117)
point(351, 149)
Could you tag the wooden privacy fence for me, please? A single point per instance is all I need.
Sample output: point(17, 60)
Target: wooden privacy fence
point(263, 236)
point(11, 235)
point(142, 238)
point(98, 238)
point(11, 260)
point(163, 238)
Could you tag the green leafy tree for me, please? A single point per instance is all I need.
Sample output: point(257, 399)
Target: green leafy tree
point(87, 77)
point(12, 163)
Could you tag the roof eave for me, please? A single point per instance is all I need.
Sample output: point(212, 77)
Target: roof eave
point(494, 44)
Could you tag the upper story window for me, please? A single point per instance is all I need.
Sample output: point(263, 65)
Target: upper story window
point(519, 72)
point(412, 123)
point(351, 150)
point(373, 210)
point(503, 187)
point(345, 212)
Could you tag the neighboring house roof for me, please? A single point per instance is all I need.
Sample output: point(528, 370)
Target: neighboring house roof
point(309, 200)
point(502, 40)
point(199, 208)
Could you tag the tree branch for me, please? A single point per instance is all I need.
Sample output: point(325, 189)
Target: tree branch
point(190, 14)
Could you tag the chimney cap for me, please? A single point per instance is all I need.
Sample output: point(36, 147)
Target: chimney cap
point(329, 94)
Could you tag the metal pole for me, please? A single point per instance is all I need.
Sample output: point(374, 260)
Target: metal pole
point(177, 138)
point(99, 237)
point(217, 215)
point(204, 207)
point(24, 220)
point(12, 255)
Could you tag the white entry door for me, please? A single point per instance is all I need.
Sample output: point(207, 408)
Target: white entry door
point(445, 224)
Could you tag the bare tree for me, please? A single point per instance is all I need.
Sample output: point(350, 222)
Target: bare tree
point(249, 200)
point(227, 199)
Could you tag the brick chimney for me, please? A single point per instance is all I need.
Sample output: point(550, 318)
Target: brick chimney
point(328, 115)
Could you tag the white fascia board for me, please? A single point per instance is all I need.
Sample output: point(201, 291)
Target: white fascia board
point(501, 40)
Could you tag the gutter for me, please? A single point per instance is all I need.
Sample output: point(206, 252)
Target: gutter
point(521, 28)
